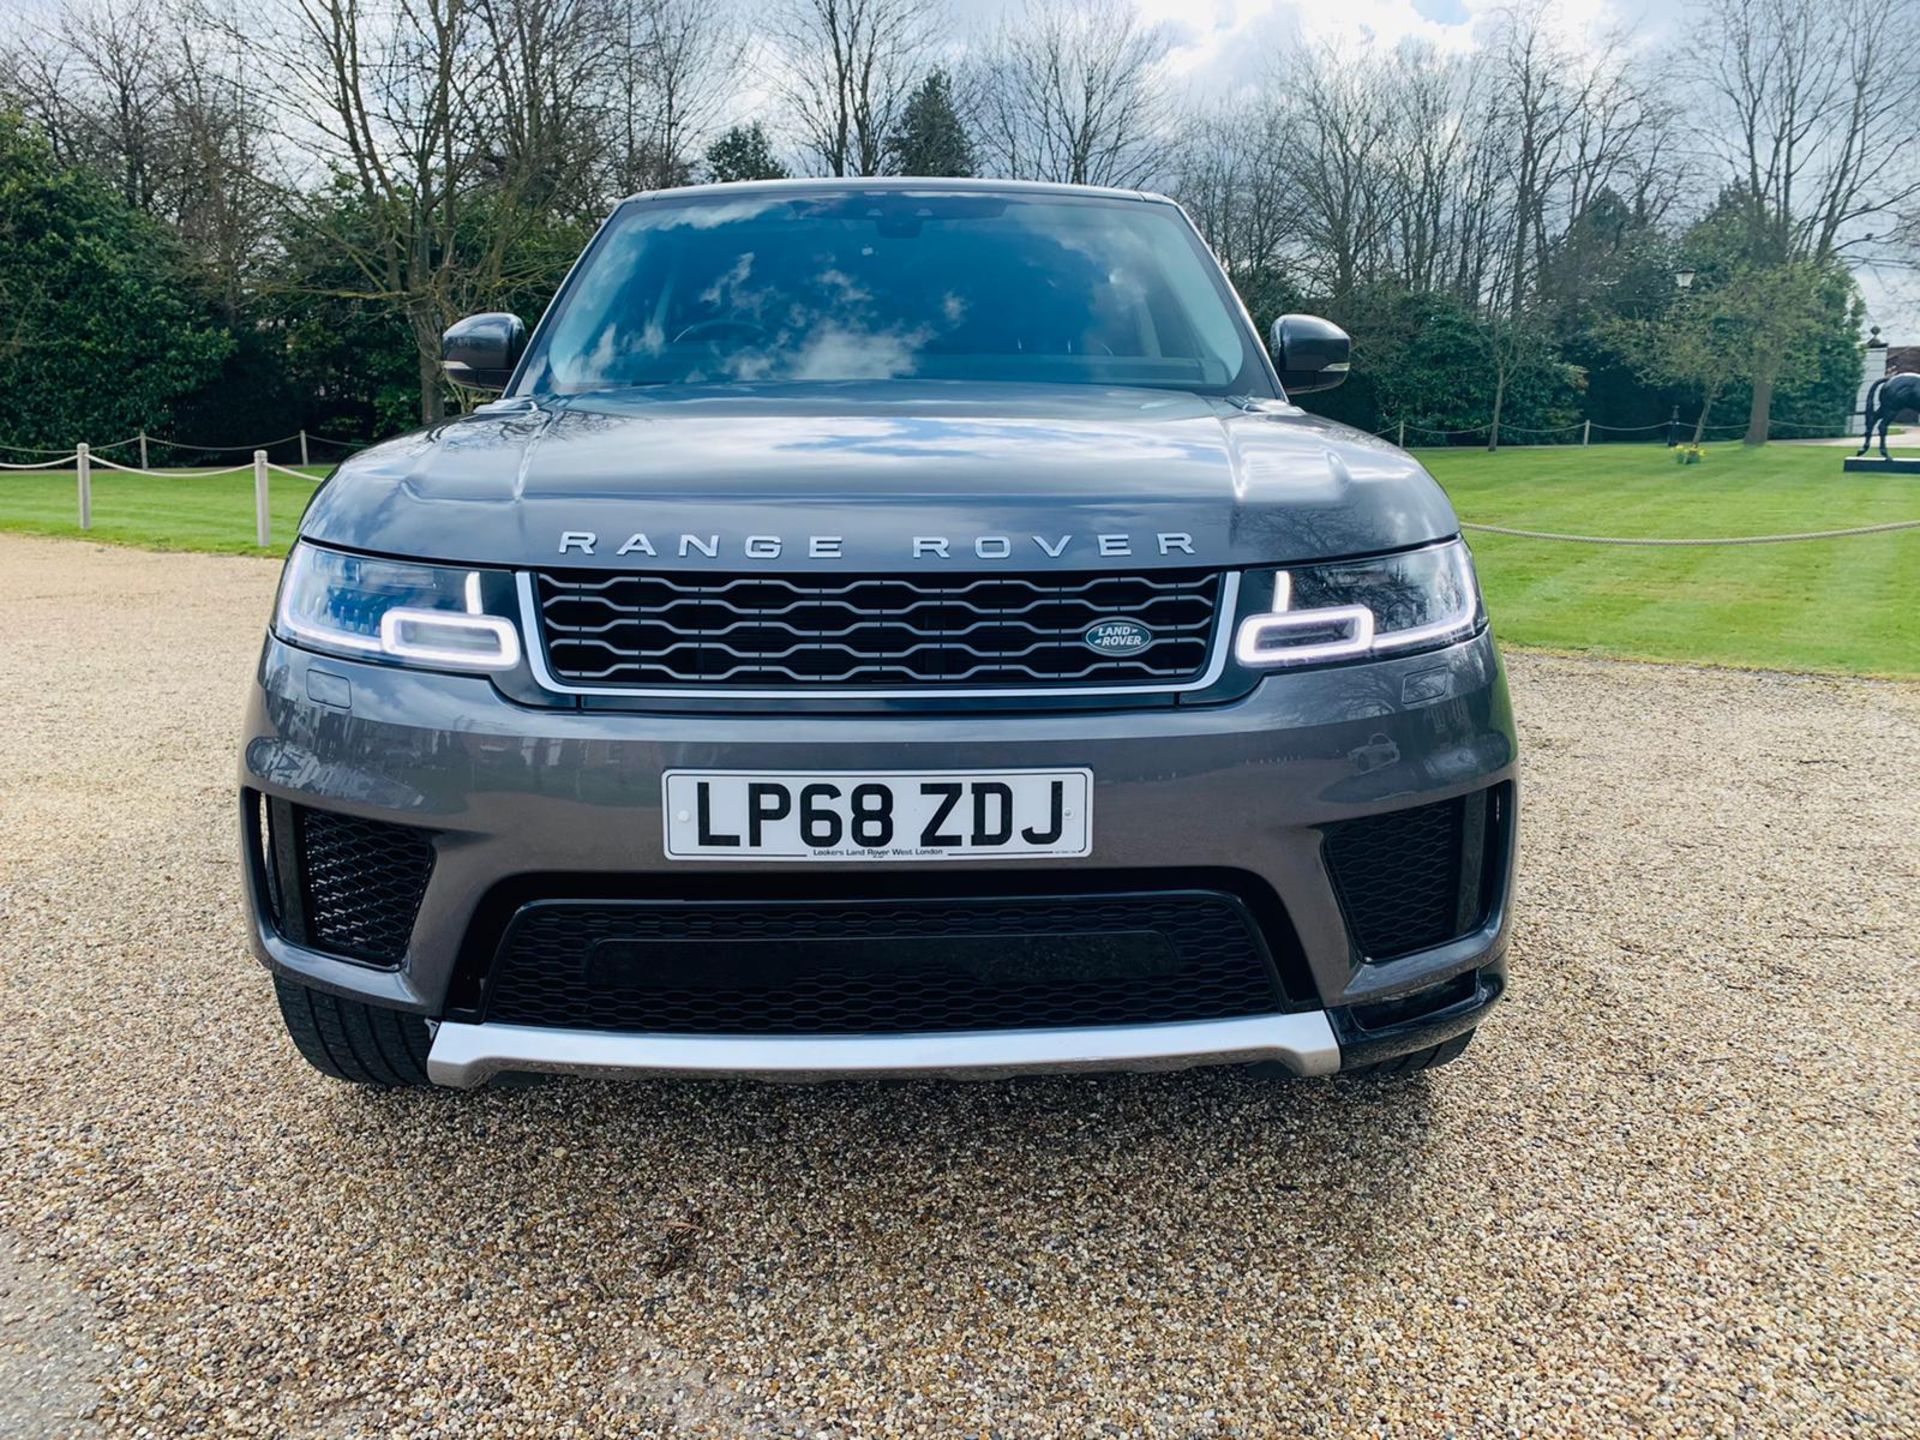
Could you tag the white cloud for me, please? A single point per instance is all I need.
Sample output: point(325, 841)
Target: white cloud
point(1226, 44)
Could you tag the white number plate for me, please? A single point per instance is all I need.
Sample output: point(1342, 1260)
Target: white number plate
point(877, 815)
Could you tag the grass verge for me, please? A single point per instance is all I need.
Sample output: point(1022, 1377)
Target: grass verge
point(182, 510)
point(1847, 606)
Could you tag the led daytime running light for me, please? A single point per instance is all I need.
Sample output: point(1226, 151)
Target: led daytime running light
point(1328, 633)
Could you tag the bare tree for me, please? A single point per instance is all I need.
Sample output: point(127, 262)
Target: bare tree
point(1621, 139)
point(431, 146)
point(1070, 93)
point(39, 77)
point(548, 60)
point(845, 68)
point(384, 92)
point(1535, 112)
point(1393, 166)
point(155, 96)
point(676, 63)
point(1809, 109)
point(1343, 104)
point(1573, 125)
point(1229, 172)
point(1434, 110)
point(219, 200)
point(95, 78)
point(456, 126)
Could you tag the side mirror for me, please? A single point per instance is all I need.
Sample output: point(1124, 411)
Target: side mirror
point(481, 350)
point(1310, 353)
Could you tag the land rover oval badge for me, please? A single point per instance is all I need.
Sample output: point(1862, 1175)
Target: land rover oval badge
point(1117, 637)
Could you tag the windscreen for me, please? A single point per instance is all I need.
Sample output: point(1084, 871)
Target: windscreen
point(896, 285)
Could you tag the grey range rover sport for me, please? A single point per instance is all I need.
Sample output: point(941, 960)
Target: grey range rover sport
point(883, 627)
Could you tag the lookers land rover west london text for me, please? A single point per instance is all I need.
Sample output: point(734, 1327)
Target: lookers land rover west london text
point(883, 627)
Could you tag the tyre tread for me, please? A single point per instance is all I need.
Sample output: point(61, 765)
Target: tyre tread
point(353, 1041)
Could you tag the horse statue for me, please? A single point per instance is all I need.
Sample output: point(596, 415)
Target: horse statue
point(1886, 399)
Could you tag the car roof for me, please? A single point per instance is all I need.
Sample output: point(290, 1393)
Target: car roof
point(867, 184)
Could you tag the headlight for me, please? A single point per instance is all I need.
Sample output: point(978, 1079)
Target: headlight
point(1417, 599)
point(426, 615)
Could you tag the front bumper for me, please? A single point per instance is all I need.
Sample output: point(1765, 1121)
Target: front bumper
point(465, 1055)
point(1247, 788)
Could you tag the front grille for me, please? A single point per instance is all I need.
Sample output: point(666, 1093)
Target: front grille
point(1412, 879)
point(900, 631)
point(836, 967)
point(343, 884)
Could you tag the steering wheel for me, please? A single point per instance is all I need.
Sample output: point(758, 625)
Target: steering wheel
point(724, 325)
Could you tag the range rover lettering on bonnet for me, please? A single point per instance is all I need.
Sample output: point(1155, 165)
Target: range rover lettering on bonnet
point(833, 547)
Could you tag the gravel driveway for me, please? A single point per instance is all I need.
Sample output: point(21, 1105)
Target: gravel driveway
point(1671, 1191)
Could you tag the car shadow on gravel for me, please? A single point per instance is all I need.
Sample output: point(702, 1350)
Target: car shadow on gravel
point(735, 1190)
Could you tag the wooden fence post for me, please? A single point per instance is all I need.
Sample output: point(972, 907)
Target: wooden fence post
point(1403, 434)
point(83, 467)
point(143, 449)
point(303, 449)
point(1586, 433)
point(262, 530)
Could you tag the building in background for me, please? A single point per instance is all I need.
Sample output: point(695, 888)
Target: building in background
point(1879, 361)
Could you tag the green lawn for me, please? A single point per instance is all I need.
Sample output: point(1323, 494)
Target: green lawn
point(1849, 605)
point(185, 510)
point(1846, 606)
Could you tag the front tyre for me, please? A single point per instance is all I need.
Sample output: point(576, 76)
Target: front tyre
point(360, 1043)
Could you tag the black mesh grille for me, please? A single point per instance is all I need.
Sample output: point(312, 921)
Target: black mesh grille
point(902, 966)
point(1411, 879)
point(360, 883)
point(720, 630)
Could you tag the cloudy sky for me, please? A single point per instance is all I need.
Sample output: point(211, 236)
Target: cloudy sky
point(1223, 45)
point(1226, 40)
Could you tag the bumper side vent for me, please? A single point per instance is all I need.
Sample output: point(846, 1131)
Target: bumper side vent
point(1413, 879)
point(342, 884)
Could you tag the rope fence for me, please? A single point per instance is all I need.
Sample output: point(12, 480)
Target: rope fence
point(1678, 432)
point(41, 464)
point(1885, 529)
point(84, 461)
point(143, 441)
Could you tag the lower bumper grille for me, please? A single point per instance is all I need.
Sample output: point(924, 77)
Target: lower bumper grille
point(847, 967)
point(343, 884)
point(1413, 879)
